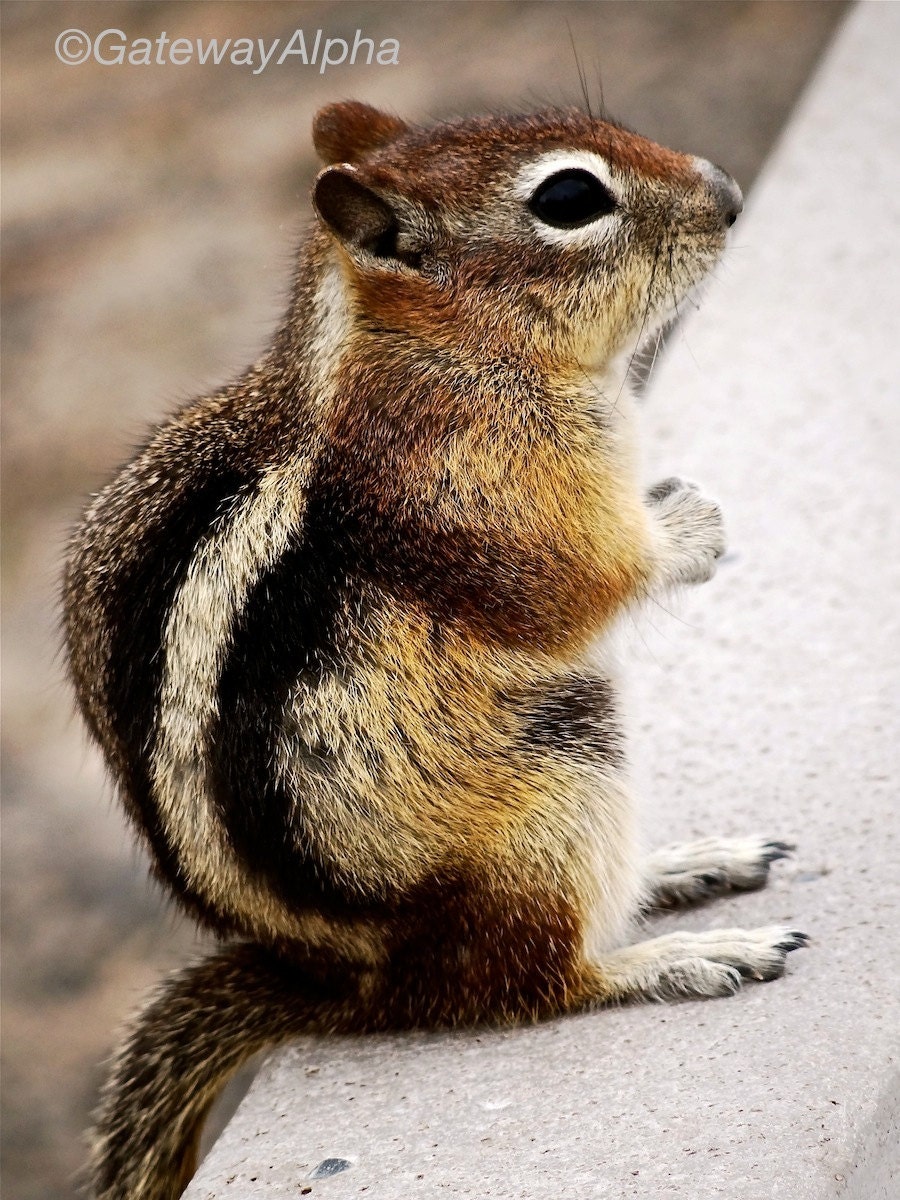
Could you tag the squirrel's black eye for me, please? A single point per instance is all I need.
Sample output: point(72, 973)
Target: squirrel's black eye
point(571, 198)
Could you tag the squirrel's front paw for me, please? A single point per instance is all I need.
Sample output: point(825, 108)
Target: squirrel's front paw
point(692, 533)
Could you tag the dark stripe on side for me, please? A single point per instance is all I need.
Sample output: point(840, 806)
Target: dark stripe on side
point(292, 627)
point(575, 716)
point(137, 602)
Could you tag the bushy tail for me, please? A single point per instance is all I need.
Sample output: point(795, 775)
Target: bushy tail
point(194, 1033)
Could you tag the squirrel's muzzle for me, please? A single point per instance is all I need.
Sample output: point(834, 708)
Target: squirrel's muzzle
point(728, 195)
point(724, 192)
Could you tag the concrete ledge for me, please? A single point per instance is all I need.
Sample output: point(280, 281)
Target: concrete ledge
point(770, 706)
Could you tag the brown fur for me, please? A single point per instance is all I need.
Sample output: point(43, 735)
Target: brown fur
point(333, 625)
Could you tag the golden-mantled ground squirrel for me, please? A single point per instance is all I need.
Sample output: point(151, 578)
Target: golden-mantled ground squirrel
point(335, 625)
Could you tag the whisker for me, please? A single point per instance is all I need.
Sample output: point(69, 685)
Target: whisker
point(582, 77)
point(591, 382)
point(643, 325)
point(604, 112)
point(669, 613)
point(656, 348)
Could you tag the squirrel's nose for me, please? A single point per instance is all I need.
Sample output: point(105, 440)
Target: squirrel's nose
point(727, 194)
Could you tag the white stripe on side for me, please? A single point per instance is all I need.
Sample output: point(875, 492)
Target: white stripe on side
point(197, 639)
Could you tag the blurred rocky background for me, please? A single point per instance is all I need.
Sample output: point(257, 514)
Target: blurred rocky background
point(149, 214)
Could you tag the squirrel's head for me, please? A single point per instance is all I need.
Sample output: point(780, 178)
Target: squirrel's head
point(555, 236)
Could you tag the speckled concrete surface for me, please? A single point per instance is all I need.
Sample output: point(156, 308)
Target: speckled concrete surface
point(768, 703)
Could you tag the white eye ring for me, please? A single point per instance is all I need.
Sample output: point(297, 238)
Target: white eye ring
point(537, 172)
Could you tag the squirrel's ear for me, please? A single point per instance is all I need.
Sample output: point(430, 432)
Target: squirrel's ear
point(358, 216)
point(344, 132)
